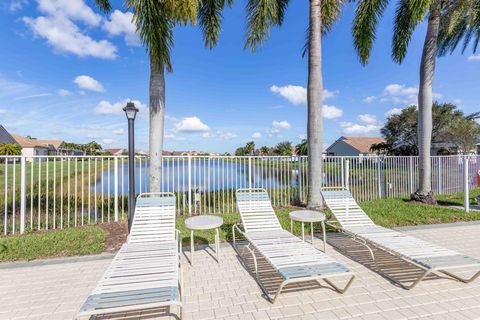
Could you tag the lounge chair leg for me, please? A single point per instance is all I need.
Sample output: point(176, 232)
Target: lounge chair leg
point(337, 288)
point(475, 276)
point(284, 283)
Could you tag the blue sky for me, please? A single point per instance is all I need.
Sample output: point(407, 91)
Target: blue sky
point(66, 70)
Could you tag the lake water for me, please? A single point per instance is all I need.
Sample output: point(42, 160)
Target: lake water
point(206, 175)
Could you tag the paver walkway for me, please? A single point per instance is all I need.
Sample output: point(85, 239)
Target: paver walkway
point(55, 289)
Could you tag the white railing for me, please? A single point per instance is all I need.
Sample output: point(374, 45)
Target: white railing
point(50, 192)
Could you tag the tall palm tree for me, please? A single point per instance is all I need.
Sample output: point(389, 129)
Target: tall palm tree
point(409, 14)
point(264, 14)
point(155, 21)
point(461, 22)
point(249, 147)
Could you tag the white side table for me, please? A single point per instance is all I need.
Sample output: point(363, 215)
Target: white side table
point(204, 222)
point(309, 216)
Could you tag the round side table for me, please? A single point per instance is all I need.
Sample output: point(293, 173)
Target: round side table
point(307, 216)
point(204, 222)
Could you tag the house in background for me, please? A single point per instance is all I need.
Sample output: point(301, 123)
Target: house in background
point(116, 151)
point(5, 137)
point(353, 146)
point(36, 147)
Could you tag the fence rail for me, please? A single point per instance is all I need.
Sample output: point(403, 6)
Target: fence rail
point(50, 192)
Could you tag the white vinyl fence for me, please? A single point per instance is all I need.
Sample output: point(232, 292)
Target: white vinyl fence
point(50, 192)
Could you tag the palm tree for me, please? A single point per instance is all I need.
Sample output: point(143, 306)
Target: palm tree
point(10, 149)
point(409, 14)
point(284, 148)
point(302, 148)
point(264, 150)
point(264, 14)
point(249, 147)
point(155, 21)
point(462, 22)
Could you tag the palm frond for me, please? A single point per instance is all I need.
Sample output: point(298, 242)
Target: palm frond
point(210, 19)
point(104, 5)
point(367, 15)
point(261, 16)
point(408, 15)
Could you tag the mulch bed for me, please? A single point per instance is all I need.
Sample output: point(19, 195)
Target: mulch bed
point(116, 235)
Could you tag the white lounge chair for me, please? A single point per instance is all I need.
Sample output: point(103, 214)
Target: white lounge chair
point(146, 272)
point(294, 259)
point(354, 222)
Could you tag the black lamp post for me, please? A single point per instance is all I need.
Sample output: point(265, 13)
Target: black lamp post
point(131, 112)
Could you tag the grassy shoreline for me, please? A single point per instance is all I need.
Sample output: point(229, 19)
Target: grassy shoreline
point(92, 239)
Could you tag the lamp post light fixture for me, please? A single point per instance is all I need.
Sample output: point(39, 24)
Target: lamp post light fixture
point(131, 112)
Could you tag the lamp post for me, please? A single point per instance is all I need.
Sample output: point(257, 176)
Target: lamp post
point(131, 112)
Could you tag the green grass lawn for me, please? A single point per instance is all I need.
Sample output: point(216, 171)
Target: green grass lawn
point(91, 240)
point(457, 198)
point(58, 243)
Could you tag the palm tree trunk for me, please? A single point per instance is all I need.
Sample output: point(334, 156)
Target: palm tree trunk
point(425, 101)
point(157, 117)
point(314, 98)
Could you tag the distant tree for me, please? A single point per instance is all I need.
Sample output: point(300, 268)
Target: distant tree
point(464, 132)
point(400, 130)
point(265, 151)
point(227, 154)
point(31, 138)
point(302, 148)
point(284, 148)
point(10, 149)
point(240, 151)
point(93, 148)
point(249, 148)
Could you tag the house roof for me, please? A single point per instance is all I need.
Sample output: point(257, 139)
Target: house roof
point(362, 144)
point(25, 142)
point(114, 150)
point(6, 137)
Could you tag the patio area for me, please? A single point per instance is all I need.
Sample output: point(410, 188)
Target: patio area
point(55, 289)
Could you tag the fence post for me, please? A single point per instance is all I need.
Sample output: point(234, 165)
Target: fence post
point(249, 172)
point(410, 174)
point(347, 174)
point(189, 185)
point(379, 176)
point(23, 193)
point(466, 198)
point(115, 188)
point(439, 176)
point(299, 179)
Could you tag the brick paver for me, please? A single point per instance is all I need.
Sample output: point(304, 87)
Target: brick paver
point(55, 289)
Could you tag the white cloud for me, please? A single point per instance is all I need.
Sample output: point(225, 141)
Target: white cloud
point(106, 108)
point(121, 23)
point(368, 124)
point(331, 112)
point(107, 141)
point(63, 92)
point(281, 124)
point(474, 57)
point(16, 5)
point(65, 36)
point(302, 136)
point(219, 135)
point(393, 111)
point(399, 94)
point(119, 132)
point(88, 83)
point(367, 118)
point(298, 94)
point(191, 125)
point(355, 128)
point(58, 27)
point(3, 111)
point(76, 10)
point(256, 135)
point(171, 136)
